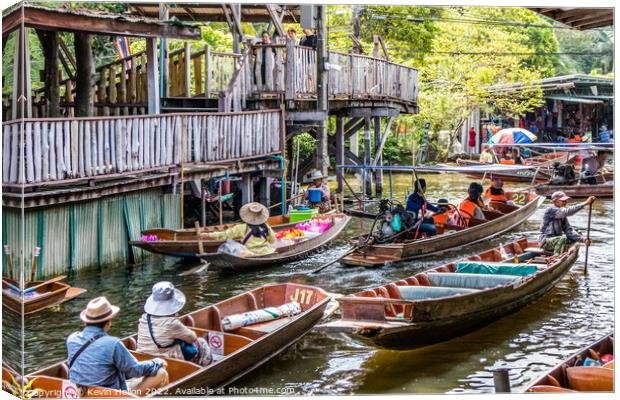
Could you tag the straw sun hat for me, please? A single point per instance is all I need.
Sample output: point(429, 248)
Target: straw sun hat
point(254, 213)
point(316, 174)
point(98, 310)
point(164, 300)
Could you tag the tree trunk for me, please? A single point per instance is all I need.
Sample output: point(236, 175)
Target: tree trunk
point(85, 79)
point(50, 45)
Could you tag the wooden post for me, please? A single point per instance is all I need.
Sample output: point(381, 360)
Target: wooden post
point(151, 75)
point(247, 189)
point(340, 153)
point(207, 71)
point(187, 53)
point(203, 205)
point(378, 159)
point(264, 192)
point(22, 98)
point(164, 11)
point(368, 176)
point(50, 46)
point(85, 75)
point(291, 71)
point(322, 58)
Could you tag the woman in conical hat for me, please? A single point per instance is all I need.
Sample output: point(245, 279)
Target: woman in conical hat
point(254, 233)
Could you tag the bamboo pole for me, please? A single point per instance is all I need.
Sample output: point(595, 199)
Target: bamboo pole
point(220, 202)
point(35, 261)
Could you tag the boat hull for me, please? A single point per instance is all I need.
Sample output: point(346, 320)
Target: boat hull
point(379, 255)
point(229, 262)
point(604, 190)
point(51, 295)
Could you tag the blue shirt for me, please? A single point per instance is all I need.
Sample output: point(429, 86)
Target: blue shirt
point(106, 362)
point(415, 203)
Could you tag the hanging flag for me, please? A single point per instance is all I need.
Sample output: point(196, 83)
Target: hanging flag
point(121, 44)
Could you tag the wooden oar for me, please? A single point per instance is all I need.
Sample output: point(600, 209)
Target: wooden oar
point(585, 265)
point(201, 267)
point(35, 259)
point(33, 288)
point(322, 267)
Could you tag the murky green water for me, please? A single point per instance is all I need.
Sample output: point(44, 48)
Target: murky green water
point(578, 310)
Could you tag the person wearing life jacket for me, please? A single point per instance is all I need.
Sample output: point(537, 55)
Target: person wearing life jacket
point(495, 193)
point(471, 206)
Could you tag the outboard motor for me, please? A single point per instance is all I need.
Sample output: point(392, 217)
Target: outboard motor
point(563, 174)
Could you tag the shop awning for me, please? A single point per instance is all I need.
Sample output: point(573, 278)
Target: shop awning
point(574, 99)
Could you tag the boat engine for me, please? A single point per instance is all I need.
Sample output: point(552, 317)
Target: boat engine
point(394, 219)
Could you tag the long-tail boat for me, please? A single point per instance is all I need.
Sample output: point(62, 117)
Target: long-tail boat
point(237, 351)
point(572, 376)
point(283, 254)
point(37, 295)
point(603, 190)
point(453, 299)
point(449, 237)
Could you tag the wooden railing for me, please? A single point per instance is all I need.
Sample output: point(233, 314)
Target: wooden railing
point(265, 70)
point(57, 149)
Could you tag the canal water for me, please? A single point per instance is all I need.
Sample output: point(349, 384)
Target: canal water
point(577, 311)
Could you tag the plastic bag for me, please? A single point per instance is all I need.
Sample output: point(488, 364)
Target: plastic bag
point(234, 249)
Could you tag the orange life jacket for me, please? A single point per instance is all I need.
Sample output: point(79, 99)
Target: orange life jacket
point(467, 210)
point(497, 198)
point(508, 162)
point(577, 138)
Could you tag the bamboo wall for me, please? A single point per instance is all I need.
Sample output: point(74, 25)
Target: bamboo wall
point(88, 235)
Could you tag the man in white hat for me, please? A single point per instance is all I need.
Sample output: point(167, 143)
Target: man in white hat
point(318, 182)
point(555, 230)
point(98, 359)
point(254, 233)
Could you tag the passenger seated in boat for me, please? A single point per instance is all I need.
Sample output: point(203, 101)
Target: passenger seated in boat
point(495, 192)
point(318, 182)
point(417, 206)
point(555, 230)
point(487, 156)
point(161, 333)
point(472, 205)
point(254, 233)
point(516, 156)
point(593, 166)
point(98, 359)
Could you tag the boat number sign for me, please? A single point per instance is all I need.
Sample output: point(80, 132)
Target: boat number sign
point(302, 296)
point(519, 198)
point(216, 342)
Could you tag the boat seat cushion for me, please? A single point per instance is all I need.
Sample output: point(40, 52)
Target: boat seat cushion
point(496, 269)
point(470, 281)
point(430, 292)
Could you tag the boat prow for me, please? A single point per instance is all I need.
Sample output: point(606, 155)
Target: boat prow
point(46, 295)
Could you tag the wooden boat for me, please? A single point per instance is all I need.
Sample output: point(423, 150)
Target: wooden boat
point(283, 254)
point(525, 175)
point(449, 237)
point(184, 243)
point(45, 296)
point(242, 349)
point(572, 376)
point(603, 190)
point(439, 304)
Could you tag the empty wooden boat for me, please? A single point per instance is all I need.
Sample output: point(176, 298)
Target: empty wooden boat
point(602, 190)
point(44, 295)
point(453, 299)
point(237, 351)
point(283, 253)
point(526, 175)
point(449, 237)
point(572, 376)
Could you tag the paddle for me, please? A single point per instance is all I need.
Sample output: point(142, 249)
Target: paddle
point(353, 250)
point(198, 269)
point(585, 265)
point(35, 259)
point(33, 288)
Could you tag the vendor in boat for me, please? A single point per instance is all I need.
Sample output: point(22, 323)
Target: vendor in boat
point(555, 230)
point(495, 193)
point(161, 332)
point(254, 233)
point(417, 206)
point(318, 182)
point(593, 166)
point(516, 156)
point(488, 155)
point(472, 205)
point(98, 359)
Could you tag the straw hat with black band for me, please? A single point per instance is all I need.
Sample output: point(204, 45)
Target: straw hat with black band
point(98, 310)
point(254, 214)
